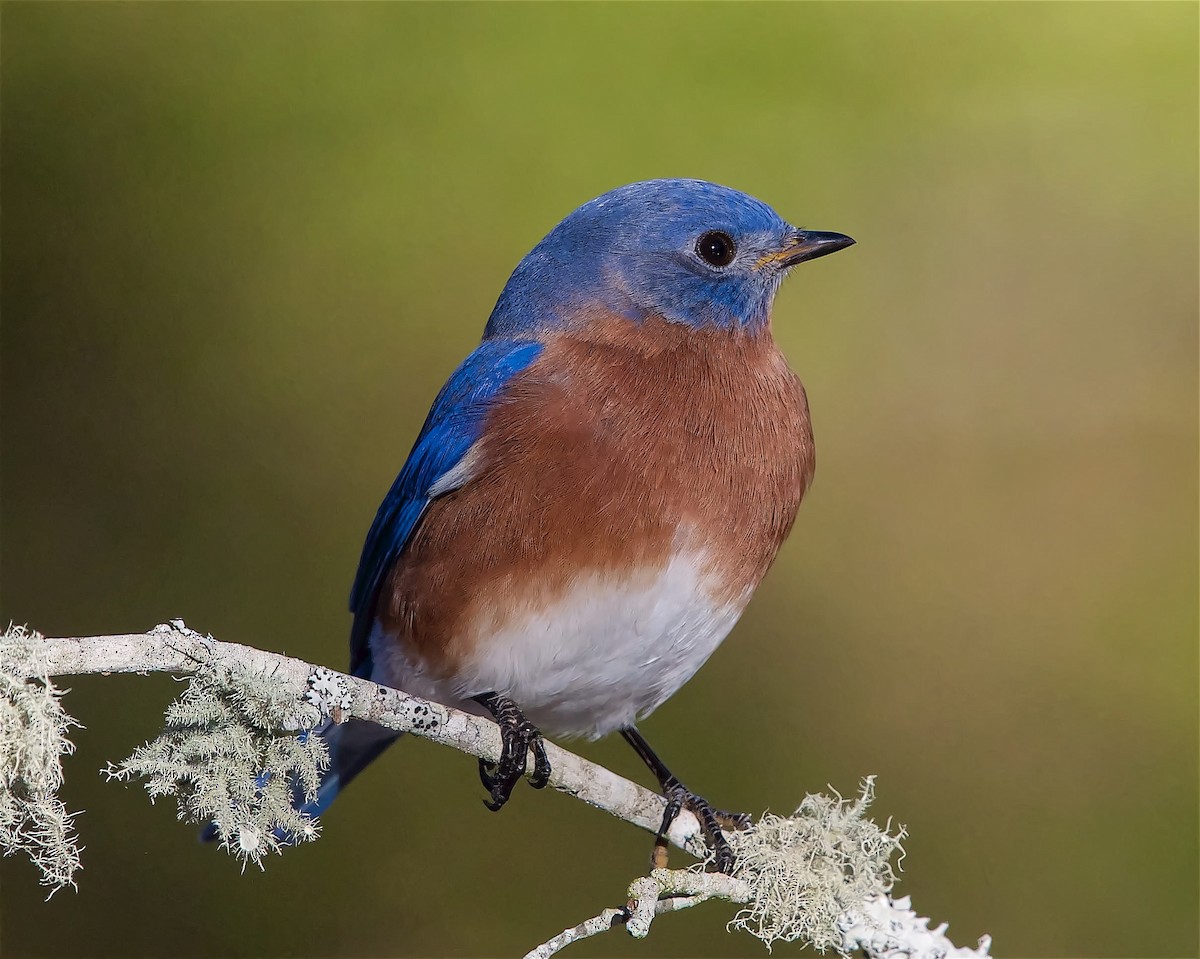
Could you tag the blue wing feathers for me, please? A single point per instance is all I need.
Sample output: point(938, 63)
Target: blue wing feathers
point(453, 425)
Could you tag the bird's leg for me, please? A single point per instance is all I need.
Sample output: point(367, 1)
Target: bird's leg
point(518, 736)
point(679, 797)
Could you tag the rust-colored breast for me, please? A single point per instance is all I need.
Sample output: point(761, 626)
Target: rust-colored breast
point(620, 446)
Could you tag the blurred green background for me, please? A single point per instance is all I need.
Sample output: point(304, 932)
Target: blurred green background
point(244, 244)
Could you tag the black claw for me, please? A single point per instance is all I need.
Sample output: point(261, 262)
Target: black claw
point(679, 797)
point(518, 736)
point(495, 804)
point(673, 809)
point(541, 764)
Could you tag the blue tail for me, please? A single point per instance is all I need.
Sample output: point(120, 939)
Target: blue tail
point(353, 746)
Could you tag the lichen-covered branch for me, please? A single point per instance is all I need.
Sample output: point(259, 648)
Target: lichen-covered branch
point(33, 739)
point(236, 750)
point(174, 648)
point(879, 927)
point(611, 918)
point(585, 930)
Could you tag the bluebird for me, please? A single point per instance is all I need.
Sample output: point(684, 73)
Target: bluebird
point(598, 489)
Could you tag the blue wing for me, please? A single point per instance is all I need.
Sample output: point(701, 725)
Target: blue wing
point(453, 424)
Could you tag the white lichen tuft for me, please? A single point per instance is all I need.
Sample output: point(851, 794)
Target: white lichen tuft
point(229, 758)
point(886, 928)
point(33, 739)
point(807, 870)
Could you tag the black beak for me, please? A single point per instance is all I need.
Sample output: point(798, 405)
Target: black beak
point(809, 244)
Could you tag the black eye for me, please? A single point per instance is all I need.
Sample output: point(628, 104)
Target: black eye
point(716, 248)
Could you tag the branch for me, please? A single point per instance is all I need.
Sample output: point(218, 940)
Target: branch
point(885, 928)
point(611, 918)
point(177, 649)
point(237, 745)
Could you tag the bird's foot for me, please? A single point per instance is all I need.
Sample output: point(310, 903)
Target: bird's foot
point(518, 736)
point(712, 821)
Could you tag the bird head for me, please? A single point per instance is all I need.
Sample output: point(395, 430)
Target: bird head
point(688, 251)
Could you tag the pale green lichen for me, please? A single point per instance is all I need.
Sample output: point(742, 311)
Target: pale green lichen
point(33, 739)
point(230, 758)
point(807, 870)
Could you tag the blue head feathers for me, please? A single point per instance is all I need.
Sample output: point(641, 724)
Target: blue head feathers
point(686, 250)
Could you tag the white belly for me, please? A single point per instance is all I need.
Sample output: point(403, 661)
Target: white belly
point(603, 655)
